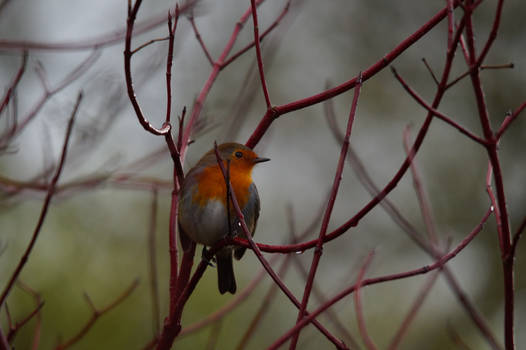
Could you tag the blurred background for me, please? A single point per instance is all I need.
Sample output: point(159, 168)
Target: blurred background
point(95, 239)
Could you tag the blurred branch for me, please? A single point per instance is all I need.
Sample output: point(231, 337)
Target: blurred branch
point(36, 313)
point(152, 252)
point(417, 304)
point(96, 314)
point(4, 345)
point(46, 95)
point(264, 305)
point(11, 87)
point(112, 37)
point(456, 338)
point(45, 206)
point(13, 329)
point(331, 315)
point(214, 335)
point(358, 304)
point(421, 194)
point(436, 113)
point(261, 37)
point(231, 305)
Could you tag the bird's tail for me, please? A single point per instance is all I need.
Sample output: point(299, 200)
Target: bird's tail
point(226, 280)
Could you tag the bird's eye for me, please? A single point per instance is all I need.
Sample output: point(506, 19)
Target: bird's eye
point(238, 154)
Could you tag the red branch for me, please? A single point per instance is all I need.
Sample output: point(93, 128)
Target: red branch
point(491, 148)
point(277, 111)
point(258, 53)
point(132, 15)
point(330, 205)
point(423, 270)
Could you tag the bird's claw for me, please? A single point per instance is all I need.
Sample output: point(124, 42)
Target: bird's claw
point(205, 255)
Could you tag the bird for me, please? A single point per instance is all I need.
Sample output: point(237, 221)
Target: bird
point(203, 209)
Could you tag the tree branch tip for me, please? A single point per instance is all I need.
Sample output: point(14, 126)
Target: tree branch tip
point(90, 302)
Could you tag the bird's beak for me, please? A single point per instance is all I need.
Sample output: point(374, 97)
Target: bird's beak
point(261, 160)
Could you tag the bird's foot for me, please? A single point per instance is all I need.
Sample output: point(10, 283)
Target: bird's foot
point(206, 256)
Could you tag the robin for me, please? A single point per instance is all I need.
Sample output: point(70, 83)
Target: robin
point(203, 209)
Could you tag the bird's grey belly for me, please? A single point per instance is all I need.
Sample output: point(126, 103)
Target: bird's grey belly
point(208, 225)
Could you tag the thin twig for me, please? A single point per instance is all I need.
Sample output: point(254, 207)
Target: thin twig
point(431, 70)
point(258, 54)
point(509, 119)
point(516, 237)
point(436, 113)
point(200, 40)
point(417, 304)
point(467, 73)
point(148, 43)
point(421, 194)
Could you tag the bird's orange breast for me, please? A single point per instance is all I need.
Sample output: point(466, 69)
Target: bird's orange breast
point(211, 185)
